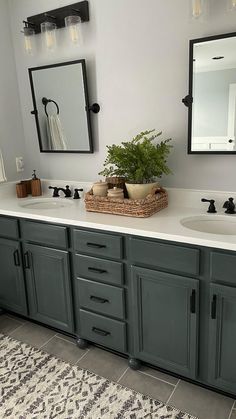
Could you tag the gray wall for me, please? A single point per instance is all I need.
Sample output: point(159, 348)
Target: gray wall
point(137, 54)
point(11, 127)
point(211, 102)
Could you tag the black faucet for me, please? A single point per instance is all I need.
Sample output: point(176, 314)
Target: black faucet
point(76, 193)
point(211, 208)
point(230, 206)
point(66, 191)
point(55, 191)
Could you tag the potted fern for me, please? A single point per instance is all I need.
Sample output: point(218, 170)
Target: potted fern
point(140, 161)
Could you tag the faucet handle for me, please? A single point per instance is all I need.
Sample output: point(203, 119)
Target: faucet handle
point(76, 193)
point(211, 208)
point(55, 191)
point(230, 206)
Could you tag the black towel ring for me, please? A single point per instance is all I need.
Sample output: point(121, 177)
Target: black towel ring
point(46, 101)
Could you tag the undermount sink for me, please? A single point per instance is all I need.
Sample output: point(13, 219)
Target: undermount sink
point(225, 225)
point(45, 203)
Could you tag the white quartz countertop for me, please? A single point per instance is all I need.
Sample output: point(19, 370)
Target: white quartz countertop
point(164, 225)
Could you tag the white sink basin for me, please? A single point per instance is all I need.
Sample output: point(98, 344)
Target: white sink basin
point(45, 203)
point(225, 225)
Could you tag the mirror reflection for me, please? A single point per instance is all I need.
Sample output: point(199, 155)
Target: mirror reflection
point(213, 122)
point(61, 107)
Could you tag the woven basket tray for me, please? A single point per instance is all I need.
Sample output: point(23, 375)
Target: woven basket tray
point(142, 208)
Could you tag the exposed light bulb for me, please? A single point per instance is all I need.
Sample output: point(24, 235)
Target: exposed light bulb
point(74, 35)
point(49, 37)
point(233, 2)
point(197, 8)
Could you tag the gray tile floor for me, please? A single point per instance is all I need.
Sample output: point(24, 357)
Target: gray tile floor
point(193, 399)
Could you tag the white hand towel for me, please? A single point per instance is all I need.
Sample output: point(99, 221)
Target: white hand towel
point(56, 136)
point(2, 170)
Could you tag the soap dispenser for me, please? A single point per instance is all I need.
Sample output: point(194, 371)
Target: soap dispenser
point(36, 185)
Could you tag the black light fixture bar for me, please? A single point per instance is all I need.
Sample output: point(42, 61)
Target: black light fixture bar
point(58, 15)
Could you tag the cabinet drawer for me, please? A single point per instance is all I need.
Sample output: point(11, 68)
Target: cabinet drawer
point(223, 267)
point(99, 269)
point(102, 330)
point(98, 244)
point(9, 228)
point(102, 298)
point(45, 234)
point(165, 256)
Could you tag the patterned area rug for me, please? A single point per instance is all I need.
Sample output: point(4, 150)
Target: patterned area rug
point(36, 385)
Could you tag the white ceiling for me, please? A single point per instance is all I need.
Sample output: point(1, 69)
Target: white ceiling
point(205, 51)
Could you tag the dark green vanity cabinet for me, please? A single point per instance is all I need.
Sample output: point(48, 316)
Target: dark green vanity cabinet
point(48, 285)
point(222, 344)
point(99, 289)
point(47, 273)
point(35, 278)
point(12, 286)
point(166, 320)
point(172, 305)
point(222, 326)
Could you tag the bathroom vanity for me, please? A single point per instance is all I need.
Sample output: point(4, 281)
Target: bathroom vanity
point(170, 303)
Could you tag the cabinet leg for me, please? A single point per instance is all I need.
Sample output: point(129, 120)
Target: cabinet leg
point(134, 363)
point(82, 343)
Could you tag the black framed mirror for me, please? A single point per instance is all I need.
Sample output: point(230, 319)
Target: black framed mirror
point(211, 100)
point(61, 107)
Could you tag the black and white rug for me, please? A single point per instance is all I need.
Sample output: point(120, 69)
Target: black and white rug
point(36, 385)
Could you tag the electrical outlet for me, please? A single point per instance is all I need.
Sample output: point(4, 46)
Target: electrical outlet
point(20, 164)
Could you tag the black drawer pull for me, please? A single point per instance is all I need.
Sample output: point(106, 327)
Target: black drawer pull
point(96, 246)
point(26, 259)
point(97, 271)
point(213, 307)
point(98, 299)
point(193, 302)
point(100, 331)
point(16, 258)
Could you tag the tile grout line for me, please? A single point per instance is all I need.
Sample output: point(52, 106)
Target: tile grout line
point(65, 340)
point(14, 330)
point(168, 400)
point(159, 379)
point(44, 344)
point(231, 411)
point(82, 356)
point(14, 318)
point(122, 375)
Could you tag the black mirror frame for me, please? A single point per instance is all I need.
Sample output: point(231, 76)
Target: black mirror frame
point(89, 107)
point(188, 100)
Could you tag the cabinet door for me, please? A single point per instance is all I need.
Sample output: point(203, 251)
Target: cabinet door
point(12, 286)
point(48, 284)
point(222, 348)
point(166, 320)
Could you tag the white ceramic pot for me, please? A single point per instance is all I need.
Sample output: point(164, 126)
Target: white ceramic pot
point(140, 190)
point(100, 188)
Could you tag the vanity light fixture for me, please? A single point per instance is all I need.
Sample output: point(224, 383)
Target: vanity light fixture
point(46, 23)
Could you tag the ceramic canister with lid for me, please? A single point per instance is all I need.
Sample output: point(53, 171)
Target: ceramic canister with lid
point(100, 188)
point(116, 193)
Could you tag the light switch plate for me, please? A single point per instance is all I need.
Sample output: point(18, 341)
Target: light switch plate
point(20, 164)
